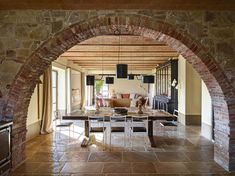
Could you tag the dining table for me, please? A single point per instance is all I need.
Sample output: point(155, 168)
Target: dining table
point(152, 114)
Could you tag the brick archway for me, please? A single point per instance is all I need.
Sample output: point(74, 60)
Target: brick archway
point(221, 91)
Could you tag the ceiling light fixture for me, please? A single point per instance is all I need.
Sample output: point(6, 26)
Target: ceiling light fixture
point(149, 79)
point(90, 80)
point(109, 80)
point(121, 69)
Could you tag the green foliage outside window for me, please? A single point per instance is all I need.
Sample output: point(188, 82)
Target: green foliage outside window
point(98, 85)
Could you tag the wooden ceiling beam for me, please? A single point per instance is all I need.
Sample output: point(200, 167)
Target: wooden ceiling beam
point(123, 50)
point(121, 56)
point(121, 44)
point(94, 59)
point(115, 62)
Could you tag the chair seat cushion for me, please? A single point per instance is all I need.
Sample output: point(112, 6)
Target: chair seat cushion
point(97, 129)
point(139, 129)
point(64, 124)
point(117, 129)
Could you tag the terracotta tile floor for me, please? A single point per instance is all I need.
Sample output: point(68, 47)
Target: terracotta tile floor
point(179, 151)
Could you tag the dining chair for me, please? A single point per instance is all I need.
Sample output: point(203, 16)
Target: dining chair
point(139, 124)
point(97, 125)
point(171, 122)
point(118, 124)
point(60, 123)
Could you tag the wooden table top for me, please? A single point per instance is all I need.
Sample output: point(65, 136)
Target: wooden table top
point(152, 114)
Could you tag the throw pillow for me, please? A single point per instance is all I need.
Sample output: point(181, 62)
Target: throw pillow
point(125, 95)
point(132, 96)
point(119, 96)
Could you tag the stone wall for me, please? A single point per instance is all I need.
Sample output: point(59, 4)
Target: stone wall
point(31, 40)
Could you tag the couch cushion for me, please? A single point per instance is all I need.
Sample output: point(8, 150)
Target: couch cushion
point(132, 96)
point(121, 102)
point(125, 95)
point(119, 96)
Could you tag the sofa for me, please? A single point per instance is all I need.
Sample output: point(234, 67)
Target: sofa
point(119, 102)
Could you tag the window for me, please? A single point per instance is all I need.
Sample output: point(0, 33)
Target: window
point(101, 89)
point(54, 91)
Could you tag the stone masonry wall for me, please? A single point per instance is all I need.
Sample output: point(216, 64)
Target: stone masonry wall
point(208, 39)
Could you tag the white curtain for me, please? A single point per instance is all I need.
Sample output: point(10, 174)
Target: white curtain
point(46, 126)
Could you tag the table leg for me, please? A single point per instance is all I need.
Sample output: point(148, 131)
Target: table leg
point(150, 128)
point(150, 133)
point(86, 128)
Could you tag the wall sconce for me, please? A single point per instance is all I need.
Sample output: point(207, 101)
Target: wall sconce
point(174, 84)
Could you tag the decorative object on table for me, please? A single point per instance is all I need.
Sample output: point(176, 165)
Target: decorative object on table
point(140, 106)
point(97, 107)
point(122, 111)
point(84, 142)
point(92, 139)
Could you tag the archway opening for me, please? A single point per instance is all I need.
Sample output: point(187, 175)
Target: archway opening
point(216, 82)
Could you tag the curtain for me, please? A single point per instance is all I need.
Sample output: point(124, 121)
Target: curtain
point(46, 126)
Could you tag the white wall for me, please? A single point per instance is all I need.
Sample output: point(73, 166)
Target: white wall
point(189, 93)
point(206, 111)
point(129, 86)
point(206, 105)
point(182, 85)
point(32, 116)
point(75, 89)
point(193, 91)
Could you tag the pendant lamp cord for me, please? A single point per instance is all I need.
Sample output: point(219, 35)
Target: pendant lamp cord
point(119, 47)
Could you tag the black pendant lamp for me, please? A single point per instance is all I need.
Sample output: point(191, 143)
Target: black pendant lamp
point(121, 70)
point(90, 80)
point(109, 80)
point(131, 77)
point(148, 79)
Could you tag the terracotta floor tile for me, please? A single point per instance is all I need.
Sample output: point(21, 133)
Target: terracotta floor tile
point(171, 168)
point(45, 156)
point(78, 167)
point(27, 167)
point(105, 157)
point(87, 175)
point(50, 167)
point(117, 168)
point(204, 167)
point(126, 174)
point(172, 157)
point(139, 157)
point(75, 156)
point(143, 168)
point(200, 156)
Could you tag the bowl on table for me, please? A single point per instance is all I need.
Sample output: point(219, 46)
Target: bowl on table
point(121, 111)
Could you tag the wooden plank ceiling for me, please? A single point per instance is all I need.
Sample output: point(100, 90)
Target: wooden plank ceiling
point(104, 52)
